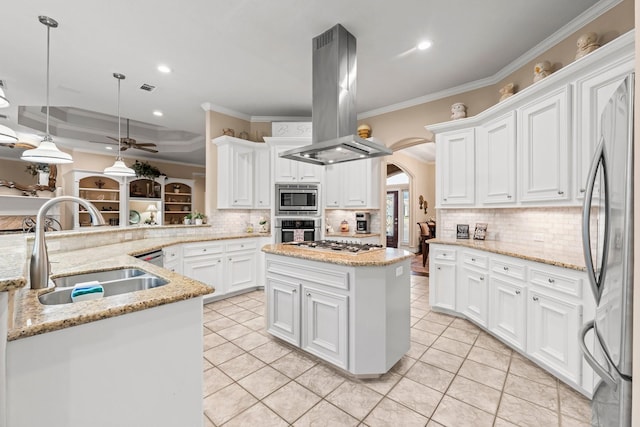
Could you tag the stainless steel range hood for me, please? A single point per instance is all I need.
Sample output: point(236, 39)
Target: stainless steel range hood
point(334, 116)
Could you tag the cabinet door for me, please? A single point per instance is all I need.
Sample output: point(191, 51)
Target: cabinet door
point(472, 295)
point(552, 332)
point(308, 172)
point(456, 170)
point(333, 186)
point(241, 271)
point(442, 285)
point(497, 161)
point(507, 312)
point(283, 303)
point(242, 177)
point(356, 182)
point(592, 95)
point(285, 170)
point(543, 153)
point(206, 269)
point(262, 181)
point(324, 325)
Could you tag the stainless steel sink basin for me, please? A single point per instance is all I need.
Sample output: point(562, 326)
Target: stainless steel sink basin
point(114, 282)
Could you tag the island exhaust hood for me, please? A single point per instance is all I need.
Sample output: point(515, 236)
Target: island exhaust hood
point(334, 116)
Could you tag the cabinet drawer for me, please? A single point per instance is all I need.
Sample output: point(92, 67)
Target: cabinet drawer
point(470, 258)
point(242, 246)
point(560, 282)
point(334, 279)
point(444, 254)
point(172, 253)
point(508, 269)
point(202, 249)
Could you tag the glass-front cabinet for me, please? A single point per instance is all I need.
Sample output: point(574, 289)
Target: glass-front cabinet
point(178, 200)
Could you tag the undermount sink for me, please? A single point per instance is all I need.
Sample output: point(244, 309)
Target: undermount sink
point(114, 282)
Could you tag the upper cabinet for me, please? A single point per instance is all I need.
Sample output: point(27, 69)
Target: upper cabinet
point(105, 192)
point(243, 174)
point(534, 148)
point(544, 142)
point(496, 160)
point(178, 199)
point(292, 171)
point(455, 157)
point(353, 184)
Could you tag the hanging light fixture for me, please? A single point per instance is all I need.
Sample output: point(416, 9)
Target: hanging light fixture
point(47, 152)
point(4, 102)
point(119, 168)
point(7, 135)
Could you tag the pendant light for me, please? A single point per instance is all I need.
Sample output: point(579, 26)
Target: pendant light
point(4, 102)
point(119, 168)
point(47, 152)
point(7, 135)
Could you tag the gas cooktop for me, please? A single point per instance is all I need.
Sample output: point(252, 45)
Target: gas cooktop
point(336, 246)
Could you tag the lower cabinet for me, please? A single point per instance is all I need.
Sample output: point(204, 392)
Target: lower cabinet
point(207, 269)
point(553, 326)
point(241, 270)
point(324, 325)
point(507, 311)
point(442, 285)
point(283, 316)
point(472, 295)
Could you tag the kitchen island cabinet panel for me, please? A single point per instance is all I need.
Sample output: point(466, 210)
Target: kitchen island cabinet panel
point(443, 285)
point(241, 270)
point(283, 315)
point(507, 310)
point(472, 295)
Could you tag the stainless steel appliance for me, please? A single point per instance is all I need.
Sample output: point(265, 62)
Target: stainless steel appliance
point(363, 222)
point(334, 104)
point(297, 199)
point(608, 250)
point(351, 248)
point(297, 229)
point(154, 257)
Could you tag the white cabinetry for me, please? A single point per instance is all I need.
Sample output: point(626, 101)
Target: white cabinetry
point(286, 170)
point(172, 258)
point(353, 184)
point(241, 266)
point(442, 286)
point(472, 295)
point(455, 174)
point(507, 303)
point(496, 160)
point(283, 314)
point(543, 156)
point(204, 262)
point(243, 174)
point(107, 193)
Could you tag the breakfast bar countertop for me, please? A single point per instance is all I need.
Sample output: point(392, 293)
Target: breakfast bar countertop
point(381, 257)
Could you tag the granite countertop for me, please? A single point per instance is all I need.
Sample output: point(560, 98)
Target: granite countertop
point(351, 234)
point(382, 257)
point(32, 318)
point(574, 261)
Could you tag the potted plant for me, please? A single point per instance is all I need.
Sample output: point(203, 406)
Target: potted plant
point(199, 218)
point(145, 170)
point(41, 170)
point(187, 219)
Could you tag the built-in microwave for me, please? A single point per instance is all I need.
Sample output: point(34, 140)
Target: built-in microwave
point(297, 199)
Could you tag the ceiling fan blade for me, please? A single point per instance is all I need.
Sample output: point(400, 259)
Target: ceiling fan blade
point(124, 148)
point(150, 150)
point(112, 138)
point(145, 144)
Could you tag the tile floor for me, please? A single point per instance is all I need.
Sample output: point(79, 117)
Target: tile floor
point(453, 375)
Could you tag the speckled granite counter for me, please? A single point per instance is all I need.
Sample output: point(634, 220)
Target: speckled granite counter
point(574, 261)
point(32, 318)
point(374, 258)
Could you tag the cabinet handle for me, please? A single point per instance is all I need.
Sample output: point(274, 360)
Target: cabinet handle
point(582, 190)
point(308, 294)
point(535, 298)
point(481, 277)
point(505, 268)
point(235, 201)
point(508, 196)
point(204, 250)
point(219, 261)
point(439, 268)
point(561, 192)
point(293, 291)
point(473, 259)
point(444, 254)
point(445, 199)
point(551, 280)
point(517, 292)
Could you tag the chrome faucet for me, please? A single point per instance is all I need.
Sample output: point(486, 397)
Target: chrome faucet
point(39, 267)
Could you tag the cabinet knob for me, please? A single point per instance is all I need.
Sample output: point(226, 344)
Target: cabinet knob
point(235, 201)
point(551, 280)
point(444, 254)
point(506, 268)
point(204, 250)
point(508, 196)
point(481, 277)
point(439, 268)
point(582, 190)
point(517, 292)
point(561, 192)
point(445, 199)
point(293, 291)
point(308, 294)
point(535, 298)
point(219, 260)
point(473, 259)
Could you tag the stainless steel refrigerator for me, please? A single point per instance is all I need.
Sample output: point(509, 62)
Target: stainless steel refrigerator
point(608, 249)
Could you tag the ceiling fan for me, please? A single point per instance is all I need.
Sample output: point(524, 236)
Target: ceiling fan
point(127, 142)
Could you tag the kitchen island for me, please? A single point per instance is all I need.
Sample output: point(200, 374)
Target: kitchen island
point(351, 310)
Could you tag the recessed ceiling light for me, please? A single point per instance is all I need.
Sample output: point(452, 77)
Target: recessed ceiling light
point(164, 69)
point(424, 45)
point(330, 161)
point(158, 113)
point(306, 155)
point(108, 148)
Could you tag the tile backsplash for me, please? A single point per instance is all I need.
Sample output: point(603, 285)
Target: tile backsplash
point(335, 216)
point(554, 228)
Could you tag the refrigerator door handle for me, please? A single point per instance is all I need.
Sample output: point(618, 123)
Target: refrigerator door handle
point(598, 158)
point(598, 369)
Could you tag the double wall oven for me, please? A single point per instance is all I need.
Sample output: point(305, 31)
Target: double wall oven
point(297, 213)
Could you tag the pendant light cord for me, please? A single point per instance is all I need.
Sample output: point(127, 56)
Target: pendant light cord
point(48, 50)
point(119, 137)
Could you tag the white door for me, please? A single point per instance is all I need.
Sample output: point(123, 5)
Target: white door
point(497, 160)
point(325, 325)
point(283, 304)
point(551, 333)
point(242, 177)
point(507, 311)
point(456, 167)
point(241, 271)
point(472, 295)
point(543, 151)
point(206, 269)
point(442, 285)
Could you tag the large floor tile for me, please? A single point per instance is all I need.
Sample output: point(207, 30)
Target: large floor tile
point(475, 394)
point(250, 341)
point(442, 360)
point(291, 401)
point(257, 415)
point(454, 347)
point(324, 414)
point(294, 364)
point(527, 369)
point(540, 394)
point(263, 382)
point(490, 343)
point(241, 366)
point(422, 337)
point(271, 351)
point(383, 384)
point(225, 404)
point(416, 396)
point(233, 332)
point(213, 380)
point(320, 380)
point(355, 399)
point(212, 340)
point(416, 350)
point(524, 413)
point(430, 326)
point(391, 413)
point(243, 316)
point(468, 337)
point(256, 324)
point(222, 353)
point(221, 323)
point(483, 374)
point(453, 412)
point(573, 404)
point(425, 374)
point(403, 365)
point(443, 319)
point(490, 358)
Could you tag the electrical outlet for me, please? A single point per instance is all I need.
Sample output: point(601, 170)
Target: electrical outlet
point(399, 271)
